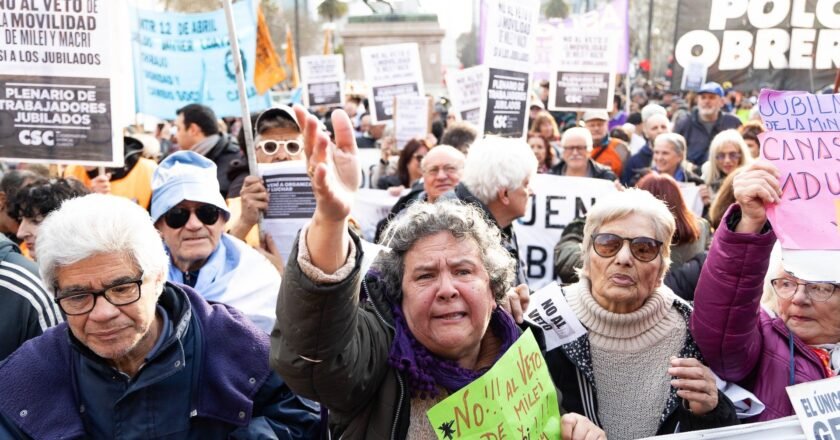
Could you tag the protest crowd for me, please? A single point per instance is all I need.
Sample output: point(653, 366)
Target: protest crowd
point(622, 271)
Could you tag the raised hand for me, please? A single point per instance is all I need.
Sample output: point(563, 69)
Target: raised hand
point(755, 187)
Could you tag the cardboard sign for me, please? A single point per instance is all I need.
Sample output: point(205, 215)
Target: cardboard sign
point(557, 200)
point(465, 92)
point(583, 77)
point(412, 118)
point(799, 111)
point(323, 80)
point(514, 399)
point(392, 70)
point(817, 405)
point(694, 76)
point(549, 310)
point(57, 84)
point(806, 218)
point(509, 55)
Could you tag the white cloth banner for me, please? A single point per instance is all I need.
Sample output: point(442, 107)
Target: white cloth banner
point(371, 206)
point(557, 201)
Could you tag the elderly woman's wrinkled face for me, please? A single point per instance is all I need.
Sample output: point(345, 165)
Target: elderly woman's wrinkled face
point(622, 283)
point(447, 299)
point(815, 322)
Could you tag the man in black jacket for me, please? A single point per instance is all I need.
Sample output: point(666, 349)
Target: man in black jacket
point(705, 122)
point(198, 130)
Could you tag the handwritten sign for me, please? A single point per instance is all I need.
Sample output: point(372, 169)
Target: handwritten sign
point(182, 58)
point(391, 70)
point(549, 310)
point(557, 200)
point(809, 163)
point(515, 399)
point(58, 79)
point(323, 78)
point(817, 404)
point(799, 111)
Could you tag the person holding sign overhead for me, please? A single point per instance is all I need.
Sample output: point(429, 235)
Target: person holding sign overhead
point(749, 345)
point(382, 349)
point(635, 370)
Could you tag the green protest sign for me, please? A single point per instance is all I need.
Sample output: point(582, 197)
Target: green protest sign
point(514, 399)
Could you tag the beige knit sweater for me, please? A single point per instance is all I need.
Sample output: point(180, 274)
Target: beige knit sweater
point(630, 359)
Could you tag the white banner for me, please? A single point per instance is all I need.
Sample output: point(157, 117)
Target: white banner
point(370, 207)
point(557, 201)
point(392, 70)
point(465, 92)
point(323, 80)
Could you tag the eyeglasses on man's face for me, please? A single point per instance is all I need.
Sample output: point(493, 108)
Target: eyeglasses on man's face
point(80, 302)
point(177, 217)
point(272, 147)
point(449, 170)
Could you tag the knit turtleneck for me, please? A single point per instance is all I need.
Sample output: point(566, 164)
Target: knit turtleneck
point(623, 346)
point(625, 332)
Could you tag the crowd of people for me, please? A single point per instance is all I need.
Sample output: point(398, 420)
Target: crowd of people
point(144, 301)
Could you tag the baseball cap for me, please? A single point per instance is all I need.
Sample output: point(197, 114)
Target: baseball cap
point(282, 111)
point(711, 87)
point(595, 114)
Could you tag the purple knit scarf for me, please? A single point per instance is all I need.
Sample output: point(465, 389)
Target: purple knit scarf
point(426, 371)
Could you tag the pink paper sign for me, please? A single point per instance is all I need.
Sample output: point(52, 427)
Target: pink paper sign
point(799, 111)
point(809, 163)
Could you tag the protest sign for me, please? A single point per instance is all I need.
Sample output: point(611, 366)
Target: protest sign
point(792, 44)
point(392, 70)
point(557, 200)
point(370, 207)
point(785, 428)
point(182, 58)
point(583, 76)
point(694, 76)
point(549, 310)
point(817, 405)
point(412, 118)
point(799, 111)
point(806, 217)
point(291, 202)
point(508, 54)
point(323, 80)
point(57, 84)
point(368, 160)
point(514, 399)
point(465, 92)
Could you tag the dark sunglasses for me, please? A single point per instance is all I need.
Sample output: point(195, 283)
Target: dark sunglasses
point(642, 248)
point(271, 147)
point(177, 217)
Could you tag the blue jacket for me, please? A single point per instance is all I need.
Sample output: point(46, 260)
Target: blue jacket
point(208, 378)
point(637, 165)
point(698, 139)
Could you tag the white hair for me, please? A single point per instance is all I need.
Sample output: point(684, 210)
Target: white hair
point(99, 224)
point(577, 131)
point(726, 137)
point(622, 204)
point(494, 163)
point(653, 109)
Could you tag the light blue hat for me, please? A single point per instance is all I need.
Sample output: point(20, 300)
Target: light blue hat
point(185, 175)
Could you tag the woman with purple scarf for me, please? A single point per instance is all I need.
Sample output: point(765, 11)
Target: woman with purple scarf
point(379, 350)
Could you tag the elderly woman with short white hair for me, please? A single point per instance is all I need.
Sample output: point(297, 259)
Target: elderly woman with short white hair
point(636, 372)
point(576, 145)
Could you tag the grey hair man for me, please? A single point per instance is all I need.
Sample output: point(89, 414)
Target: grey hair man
point(138, 356)
point(497, 177)
point(654, 122)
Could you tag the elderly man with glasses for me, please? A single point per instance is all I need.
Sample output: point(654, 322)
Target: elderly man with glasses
point(190, 215)
point(138, 357)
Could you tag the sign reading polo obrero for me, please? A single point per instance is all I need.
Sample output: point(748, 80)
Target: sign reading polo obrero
point(791, 44)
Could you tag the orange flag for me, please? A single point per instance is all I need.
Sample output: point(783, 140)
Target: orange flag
point(291, 59)
point(267, 70)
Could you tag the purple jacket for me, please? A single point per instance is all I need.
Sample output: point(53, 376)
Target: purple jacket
point(741, 342)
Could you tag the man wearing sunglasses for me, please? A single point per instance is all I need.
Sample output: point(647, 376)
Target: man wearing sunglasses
point(190, 214)
point(138, 357)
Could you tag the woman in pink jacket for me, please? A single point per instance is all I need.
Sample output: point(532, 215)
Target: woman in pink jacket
point(744, 343)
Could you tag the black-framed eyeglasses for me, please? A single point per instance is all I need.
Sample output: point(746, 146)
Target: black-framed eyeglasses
point(82, 302)
point(786, 288)
point(642, 248)
point(177, 217)
point(272, 147)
